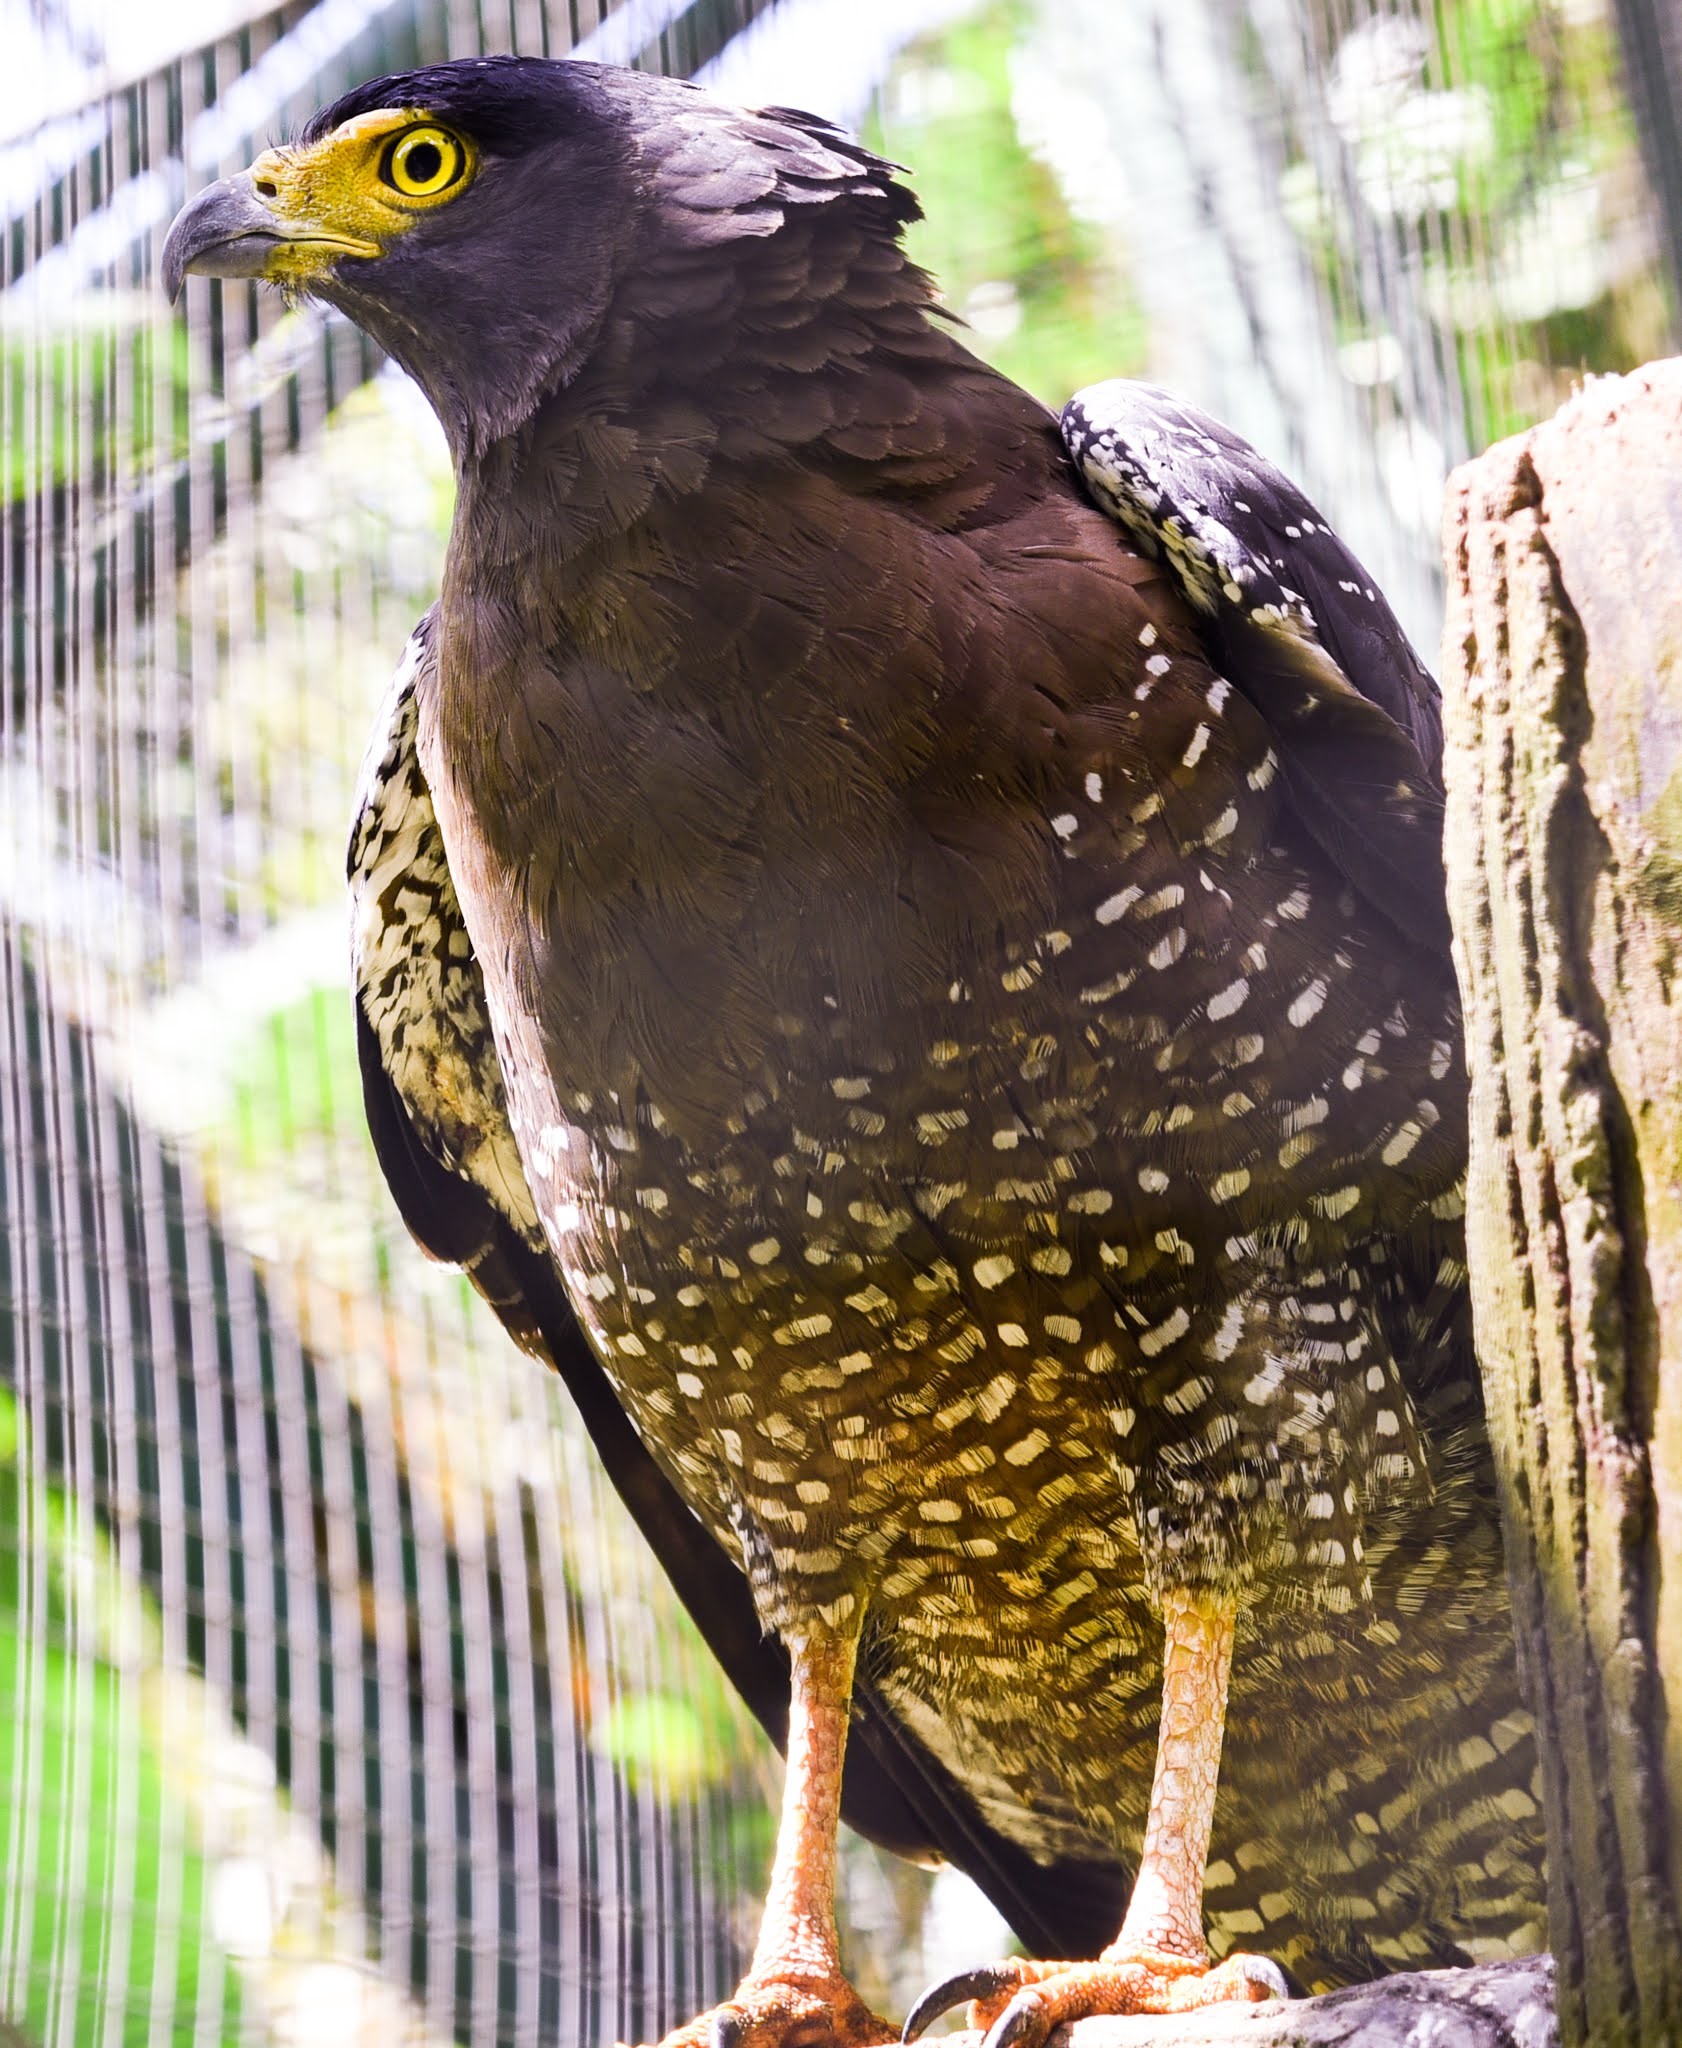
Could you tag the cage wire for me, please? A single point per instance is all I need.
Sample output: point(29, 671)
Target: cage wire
point(338, 1700)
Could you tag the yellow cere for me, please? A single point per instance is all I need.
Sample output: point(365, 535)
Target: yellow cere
point(355, 190)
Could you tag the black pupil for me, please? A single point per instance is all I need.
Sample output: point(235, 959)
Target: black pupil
point(424, 162)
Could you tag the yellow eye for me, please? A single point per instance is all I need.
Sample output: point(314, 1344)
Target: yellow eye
point(423, 163)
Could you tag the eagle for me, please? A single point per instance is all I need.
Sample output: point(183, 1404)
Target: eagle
point(900, 940)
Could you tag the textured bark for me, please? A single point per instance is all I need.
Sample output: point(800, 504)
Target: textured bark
point(1502, 2005)
point(1563, 687)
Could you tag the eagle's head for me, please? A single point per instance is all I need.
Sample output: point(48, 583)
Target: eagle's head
point(470, 217)
point(476, 218)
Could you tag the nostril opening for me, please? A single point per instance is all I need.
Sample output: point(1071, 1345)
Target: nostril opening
point(267, 188)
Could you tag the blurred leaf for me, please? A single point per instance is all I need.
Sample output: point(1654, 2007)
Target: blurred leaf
point(64, 384)
point(657, 1735)
point(296, 1076)
point(1046, 299)
point(104, 1904)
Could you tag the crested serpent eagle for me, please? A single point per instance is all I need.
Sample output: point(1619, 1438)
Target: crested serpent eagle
point(901, 943)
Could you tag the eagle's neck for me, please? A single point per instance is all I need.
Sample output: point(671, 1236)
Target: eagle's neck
point(720, 358)
point(725, 397)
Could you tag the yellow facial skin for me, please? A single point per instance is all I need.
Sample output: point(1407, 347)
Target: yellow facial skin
point(357, 189)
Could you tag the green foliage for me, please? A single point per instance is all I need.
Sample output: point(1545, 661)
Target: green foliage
point(998, 235)
point(296, 1076)
point(1507, 153)
point(1500, 48)
point(681, 1743)
point(89, 378)
point(105, 1899)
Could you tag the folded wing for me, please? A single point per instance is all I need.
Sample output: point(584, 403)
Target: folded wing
point(1291, 619)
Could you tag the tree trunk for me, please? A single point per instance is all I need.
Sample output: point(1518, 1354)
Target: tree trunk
point(1563, 703)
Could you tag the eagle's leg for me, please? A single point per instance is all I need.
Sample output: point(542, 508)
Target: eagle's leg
point(1159, 1962)
point(794, 1995)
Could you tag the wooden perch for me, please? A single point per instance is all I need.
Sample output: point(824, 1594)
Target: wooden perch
point(1501, 2005)
point(1563, 701)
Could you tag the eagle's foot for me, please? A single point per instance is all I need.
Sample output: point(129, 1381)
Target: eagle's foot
point(770, 2013)
point(1019, 2002)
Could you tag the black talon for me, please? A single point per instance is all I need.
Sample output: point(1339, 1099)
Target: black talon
point(985, 1981)
point(726, 2029)
point(1020, 2020)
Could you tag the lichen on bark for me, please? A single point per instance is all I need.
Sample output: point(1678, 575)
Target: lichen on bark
point(1562, 675)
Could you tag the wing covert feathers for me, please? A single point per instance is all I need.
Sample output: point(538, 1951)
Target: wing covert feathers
point(1295, 623)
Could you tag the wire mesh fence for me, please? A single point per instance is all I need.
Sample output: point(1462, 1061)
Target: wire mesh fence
point(341, 1703)
point(337, 1700)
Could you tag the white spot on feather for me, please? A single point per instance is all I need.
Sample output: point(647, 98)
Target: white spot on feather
point(1401, 1142)
point(1308, 1002)
point(1117, 906)
point(1169, 1331)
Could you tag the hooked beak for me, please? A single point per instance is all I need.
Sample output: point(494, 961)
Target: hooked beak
point(230, 230)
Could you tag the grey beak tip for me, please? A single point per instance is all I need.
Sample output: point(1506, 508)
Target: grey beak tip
point(181, 244)
point(222, 231)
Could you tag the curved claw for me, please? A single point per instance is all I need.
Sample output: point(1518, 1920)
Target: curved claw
point(1022, 2020)
point(987, 1980)
point(726, 2028)
point(1263, 1970)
